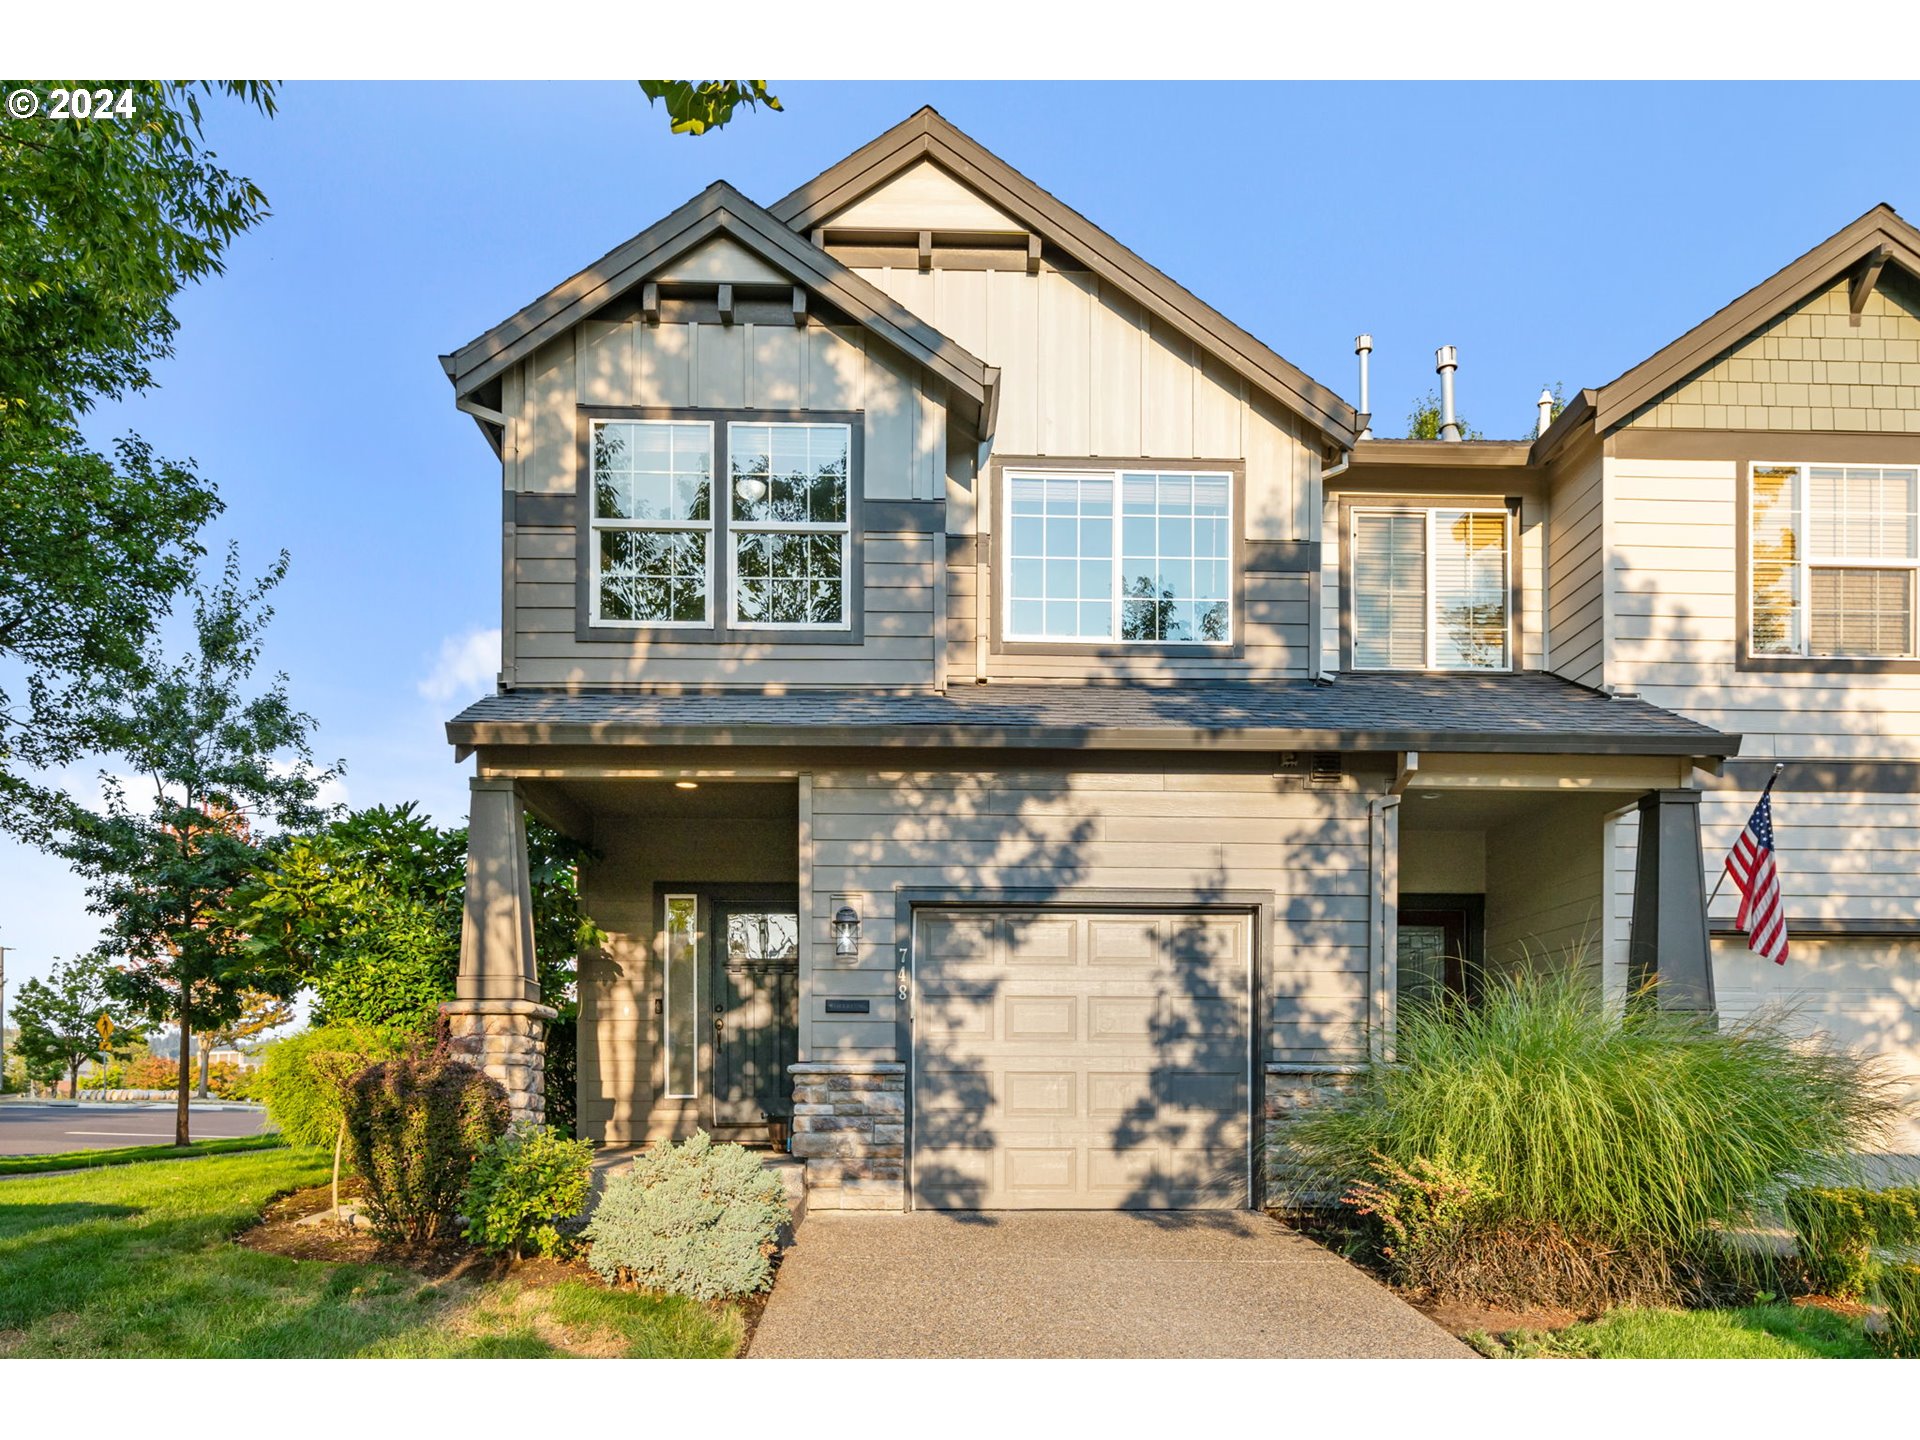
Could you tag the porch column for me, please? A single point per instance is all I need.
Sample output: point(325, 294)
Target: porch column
point(1669, 940)
point(496, 1020)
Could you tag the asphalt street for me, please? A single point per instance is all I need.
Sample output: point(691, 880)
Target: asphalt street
point(33, 1129)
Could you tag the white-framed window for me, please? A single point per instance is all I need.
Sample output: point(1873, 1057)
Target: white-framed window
point(790, 524)
point(1833, 560)
point(652, 523)
point(1119, 556)
point(1431, 588)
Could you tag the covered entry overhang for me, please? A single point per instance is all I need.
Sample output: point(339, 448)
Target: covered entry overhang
point(1199, 842)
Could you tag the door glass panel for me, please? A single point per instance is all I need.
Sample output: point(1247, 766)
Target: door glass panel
point(1423, 965)
point(682, 998)
point(763, 935)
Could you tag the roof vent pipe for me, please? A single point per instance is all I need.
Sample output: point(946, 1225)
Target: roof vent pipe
point(1363, 347)
point(1446, 360)
point(1545, 402)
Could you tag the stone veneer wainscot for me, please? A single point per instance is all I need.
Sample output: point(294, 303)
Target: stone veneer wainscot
point(850, 1129)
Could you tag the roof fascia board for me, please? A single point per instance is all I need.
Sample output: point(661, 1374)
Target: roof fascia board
point(1826, 262)
point(1577, 416)
point(930, 136)
point(1445, 454)
point(1049, 738)
point(718, 210)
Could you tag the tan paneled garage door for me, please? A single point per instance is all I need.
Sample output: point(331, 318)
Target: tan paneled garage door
point(1067, 1060)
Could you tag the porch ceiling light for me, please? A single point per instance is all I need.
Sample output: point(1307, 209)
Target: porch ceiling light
point(846, 931)
point(686, 784)
point(750, 488)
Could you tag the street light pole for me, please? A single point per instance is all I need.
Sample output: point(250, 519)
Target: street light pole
point(3, 1016)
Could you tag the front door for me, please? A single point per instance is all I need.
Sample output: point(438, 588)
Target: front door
point(756, 1011)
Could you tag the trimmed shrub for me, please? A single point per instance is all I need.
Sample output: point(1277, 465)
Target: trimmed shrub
point(1898, 1288)
point(1614, 1149)
point(695, 1219)
point(113, 1077)
point(303, 1078)
point(1839, 1227)
point(521, 1185)
point(415, 1125)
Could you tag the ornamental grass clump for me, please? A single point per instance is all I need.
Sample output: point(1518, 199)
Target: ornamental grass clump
point(1585, 1158)
point(695, 1219)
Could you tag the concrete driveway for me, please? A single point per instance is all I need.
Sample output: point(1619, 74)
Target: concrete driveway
point(1062, 1284)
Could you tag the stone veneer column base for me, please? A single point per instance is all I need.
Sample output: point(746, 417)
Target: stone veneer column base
point(850, 1129)
point(508, 1040)
point(1293, 1089)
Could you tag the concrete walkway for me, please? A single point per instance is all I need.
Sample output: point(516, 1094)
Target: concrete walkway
point(1060, 1284)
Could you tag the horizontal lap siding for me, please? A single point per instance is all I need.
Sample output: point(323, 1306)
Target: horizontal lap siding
point(876, 831)
point(822, 367)
point(1576, 562)
point(1842, 857)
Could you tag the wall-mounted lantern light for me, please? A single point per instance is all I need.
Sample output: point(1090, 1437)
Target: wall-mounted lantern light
point(846, 931)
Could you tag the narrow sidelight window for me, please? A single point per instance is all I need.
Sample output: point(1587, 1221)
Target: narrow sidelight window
point(680, 972)
point(1431, 589)
point(1833, 559)
point(653, 523)
point(789, 522)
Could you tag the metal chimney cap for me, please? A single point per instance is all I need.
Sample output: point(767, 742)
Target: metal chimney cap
point(1546, 396)
point(1362, 344)
point(1446, 358)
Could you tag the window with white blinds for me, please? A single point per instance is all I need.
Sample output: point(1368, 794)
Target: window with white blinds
point(1431, 589)
point(1833, 559)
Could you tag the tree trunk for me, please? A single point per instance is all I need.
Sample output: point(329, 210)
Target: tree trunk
point(339, 1140)
point(73, 1078)
point(206, 1058)
point(181, 1133)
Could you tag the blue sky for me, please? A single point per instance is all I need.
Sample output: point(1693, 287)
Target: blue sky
point(1554, 233)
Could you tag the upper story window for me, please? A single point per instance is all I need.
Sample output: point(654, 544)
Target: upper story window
point(1136, 557)
point(1834, 559)
point(784, 524)
point(790, 528)
point(1431, 589)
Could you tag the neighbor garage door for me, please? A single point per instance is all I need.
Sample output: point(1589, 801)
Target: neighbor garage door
point(1080, 1061)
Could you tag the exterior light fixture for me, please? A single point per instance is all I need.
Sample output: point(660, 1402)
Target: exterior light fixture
point(686, 784)
point(846, 931)
point(750, 488)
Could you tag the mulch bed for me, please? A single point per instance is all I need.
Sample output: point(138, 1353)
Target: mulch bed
point(279, 1231)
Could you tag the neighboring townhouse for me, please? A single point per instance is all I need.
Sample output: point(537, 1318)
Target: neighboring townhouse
point(1031, 742)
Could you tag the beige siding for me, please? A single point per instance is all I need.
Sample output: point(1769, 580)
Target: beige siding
point(1810, 368)
point(1547, 875)
point(1576, 615)
point(1052, 831)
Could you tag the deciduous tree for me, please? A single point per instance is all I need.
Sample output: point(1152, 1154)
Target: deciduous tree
point(214, 768)
point(59, 1020)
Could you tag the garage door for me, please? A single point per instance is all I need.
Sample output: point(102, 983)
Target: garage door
point(1864, 992)
point(1067, 1060)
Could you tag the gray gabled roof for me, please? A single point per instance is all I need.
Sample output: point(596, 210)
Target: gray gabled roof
point(1528, 712)
point(718, 210)
point(928, 134)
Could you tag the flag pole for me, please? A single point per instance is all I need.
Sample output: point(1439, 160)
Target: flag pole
point(1723, 869)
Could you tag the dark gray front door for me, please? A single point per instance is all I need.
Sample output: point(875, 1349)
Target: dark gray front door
point(756, 1011)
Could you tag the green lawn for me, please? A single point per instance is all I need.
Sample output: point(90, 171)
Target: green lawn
point(1758, 1332)
point(133, 1154)
point(136, 1261)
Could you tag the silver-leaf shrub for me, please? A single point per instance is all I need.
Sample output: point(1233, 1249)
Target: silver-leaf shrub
point(695, 1219)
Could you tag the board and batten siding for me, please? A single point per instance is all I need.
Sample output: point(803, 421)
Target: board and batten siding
point(769, 366)
point(1051, 832)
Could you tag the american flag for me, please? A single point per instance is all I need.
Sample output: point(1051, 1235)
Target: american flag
point(1763, 914)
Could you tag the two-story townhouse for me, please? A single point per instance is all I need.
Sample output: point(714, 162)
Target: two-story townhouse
point(1029, 741)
